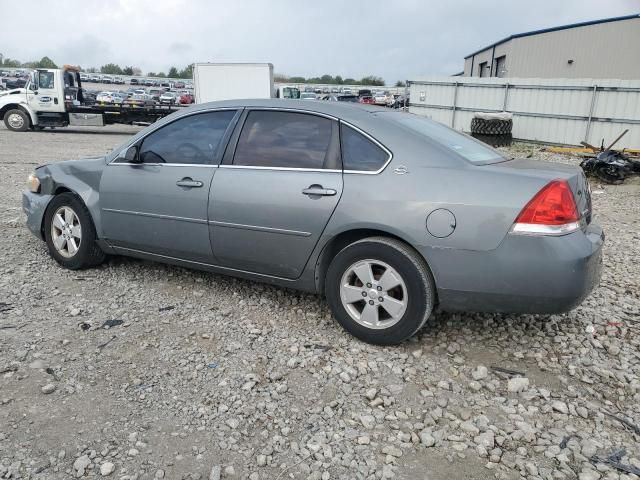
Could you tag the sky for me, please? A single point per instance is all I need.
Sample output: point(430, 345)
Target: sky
point(396, 40)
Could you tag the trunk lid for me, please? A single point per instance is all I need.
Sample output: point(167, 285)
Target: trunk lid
point(548, 171)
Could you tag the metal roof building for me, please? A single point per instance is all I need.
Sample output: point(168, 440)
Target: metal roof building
point(607, 48)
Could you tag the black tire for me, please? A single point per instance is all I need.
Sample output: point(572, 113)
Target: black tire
point(421, 293)
point(88, 253)
point(491, 127)
point(11, 125)
point(503, 140)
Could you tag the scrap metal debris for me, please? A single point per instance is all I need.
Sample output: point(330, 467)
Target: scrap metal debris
point(624, 421)
point(167, 308)
point(613, 460)
point(112, 323)
point(610, 166)
point(507, 371)
point(102, 345)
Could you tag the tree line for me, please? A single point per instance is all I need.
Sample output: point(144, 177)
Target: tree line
point(331, 80)
point(187, 72)
point(108, 69)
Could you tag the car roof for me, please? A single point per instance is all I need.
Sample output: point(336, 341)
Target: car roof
point(350, 113)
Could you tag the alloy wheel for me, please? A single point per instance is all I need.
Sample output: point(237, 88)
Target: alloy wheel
point(66, 231)
point(374, 294)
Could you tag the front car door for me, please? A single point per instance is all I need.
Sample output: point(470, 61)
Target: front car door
point(273, 196)
point(159, 205)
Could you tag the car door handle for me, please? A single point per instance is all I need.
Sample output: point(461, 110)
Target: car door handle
point(319, 190)
point(189, 183)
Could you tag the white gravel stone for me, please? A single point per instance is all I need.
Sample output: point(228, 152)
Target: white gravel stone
point(107, 468)
point(518, 384)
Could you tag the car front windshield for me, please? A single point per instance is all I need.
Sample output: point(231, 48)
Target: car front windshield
point(470, 149)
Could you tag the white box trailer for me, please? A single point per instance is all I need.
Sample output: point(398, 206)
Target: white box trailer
point(228, 81)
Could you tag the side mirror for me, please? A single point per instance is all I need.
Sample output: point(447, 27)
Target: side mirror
point(131, 155)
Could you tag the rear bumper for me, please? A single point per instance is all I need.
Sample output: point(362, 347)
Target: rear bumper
point(525, 274)
point(34, 205)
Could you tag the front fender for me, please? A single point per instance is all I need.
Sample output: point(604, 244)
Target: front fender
point(16, 101)
point(81, 177)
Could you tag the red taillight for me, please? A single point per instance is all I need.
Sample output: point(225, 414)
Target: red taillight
point(551, 211)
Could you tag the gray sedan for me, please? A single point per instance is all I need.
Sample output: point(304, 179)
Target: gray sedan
point(385, 213)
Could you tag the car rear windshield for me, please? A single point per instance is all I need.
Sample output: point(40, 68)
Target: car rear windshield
point(470, 149)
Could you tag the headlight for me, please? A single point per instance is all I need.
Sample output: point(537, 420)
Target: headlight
point(33, 183)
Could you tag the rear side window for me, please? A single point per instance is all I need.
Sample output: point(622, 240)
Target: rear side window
point(188, 140)
point(285, 140)
point(359, 153)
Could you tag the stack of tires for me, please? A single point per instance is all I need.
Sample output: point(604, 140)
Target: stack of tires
point(492, 128)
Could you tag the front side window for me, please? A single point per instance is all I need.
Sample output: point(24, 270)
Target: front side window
point(45, 80)
point(286, 140)
point(359, 153)
point(188, 140)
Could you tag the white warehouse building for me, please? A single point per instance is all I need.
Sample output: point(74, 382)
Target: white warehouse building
point(607, 48)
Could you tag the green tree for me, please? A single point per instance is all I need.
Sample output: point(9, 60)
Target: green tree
point(92, 70)
point(297, 80)
point(173, 72)
point(46, 62)
point(151, 74)
point(372, 80)
point(160, 74)
point(400, 83)
point(10, 62)
point(326, 79)
point(350, 81)
point(338, 80)
point(127, 71)
point(111, 69)
point(187, 72)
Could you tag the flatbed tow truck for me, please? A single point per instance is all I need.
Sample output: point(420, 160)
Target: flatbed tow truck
point(53, 98)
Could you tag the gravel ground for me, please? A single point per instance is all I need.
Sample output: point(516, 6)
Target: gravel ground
point(202, 376)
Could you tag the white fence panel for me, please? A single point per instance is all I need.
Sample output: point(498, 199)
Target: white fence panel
point(564, 111)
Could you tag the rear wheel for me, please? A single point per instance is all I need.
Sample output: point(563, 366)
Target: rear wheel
point(380, 290)
point(70, 234)
point(16, 120)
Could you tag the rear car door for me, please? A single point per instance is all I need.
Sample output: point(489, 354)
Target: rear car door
point(274, 194)
point(159, 205)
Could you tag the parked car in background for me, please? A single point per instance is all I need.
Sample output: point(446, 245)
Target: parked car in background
point(148, 83)
point(308, 96)
point(134, 81)
point(94, 78)
point(111, 97)
point(186, 98)
point(140, 100)
point(12, 83)
point(347, 98)
point(308, 89)
point(380, 98)
point(168, 98)
point(106, 79)
point(364, 92)
point(346, 91)
point(118, 80)
point(366, 99)
point(179, 84)
point(458, 225)
point(89, 96)
point(155, 93)
point(84, 77)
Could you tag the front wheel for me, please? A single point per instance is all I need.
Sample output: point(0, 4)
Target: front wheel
point(70, 233)
point(380, 290)
point(16, 120)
